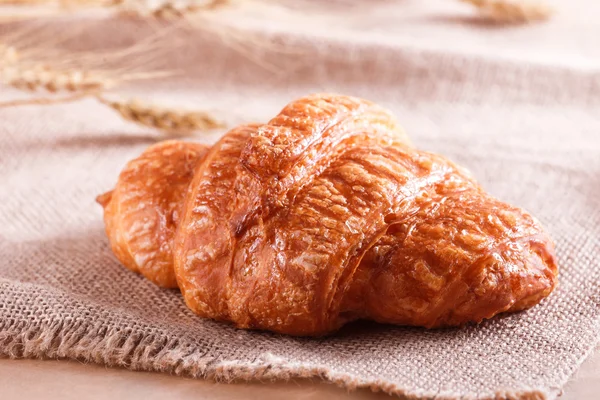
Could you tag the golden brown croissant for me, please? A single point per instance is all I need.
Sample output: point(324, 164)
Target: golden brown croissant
point(324, 215)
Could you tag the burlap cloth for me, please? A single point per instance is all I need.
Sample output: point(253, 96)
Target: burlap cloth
point(526, 124)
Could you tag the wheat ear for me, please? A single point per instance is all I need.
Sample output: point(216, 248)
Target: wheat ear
point(513, 11)
point(171, 121)
point(43, 77)
point(168, 9)
point(74, 83)
point(8, 55)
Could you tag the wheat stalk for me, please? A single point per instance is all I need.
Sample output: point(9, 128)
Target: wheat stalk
point(171, 121)
point(513, 11)
point(43, 100)
point(64, 3)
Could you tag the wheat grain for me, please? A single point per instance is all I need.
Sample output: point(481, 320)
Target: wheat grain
point(171, 121)
point(72, 75)
point(43, 77)
point(167, 9)
point(171, 11)
point(8, 55)
point(77, 83)
point(513, 11)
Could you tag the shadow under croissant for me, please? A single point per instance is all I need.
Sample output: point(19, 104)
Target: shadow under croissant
point(475, 21)
point(82, 264)
point(368, 327)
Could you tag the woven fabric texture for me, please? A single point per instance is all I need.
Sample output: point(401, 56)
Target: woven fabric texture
point(528, 130)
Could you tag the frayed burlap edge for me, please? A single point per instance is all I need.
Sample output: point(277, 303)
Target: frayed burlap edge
point(115, 347)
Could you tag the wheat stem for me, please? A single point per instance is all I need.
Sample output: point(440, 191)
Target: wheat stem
point(513, 11)
point(171, 121)
point(63, 3)
point(44, 100)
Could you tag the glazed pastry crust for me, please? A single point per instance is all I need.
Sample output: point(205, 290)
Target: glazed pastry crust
point(327, 214)
point(142, 212)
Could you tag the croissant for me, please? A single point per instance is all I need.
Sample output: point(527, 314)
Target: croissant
point(324, 215)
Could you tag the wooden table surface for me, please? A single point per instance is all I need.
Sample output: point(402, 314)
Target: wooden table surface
point(49, 379)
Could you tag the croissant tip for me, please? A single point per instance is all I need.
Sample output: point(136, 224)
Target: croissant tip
point(104, 198)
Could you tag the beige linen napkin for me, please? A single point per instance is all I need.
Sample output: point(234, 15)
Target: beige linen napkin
point(528, 129)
